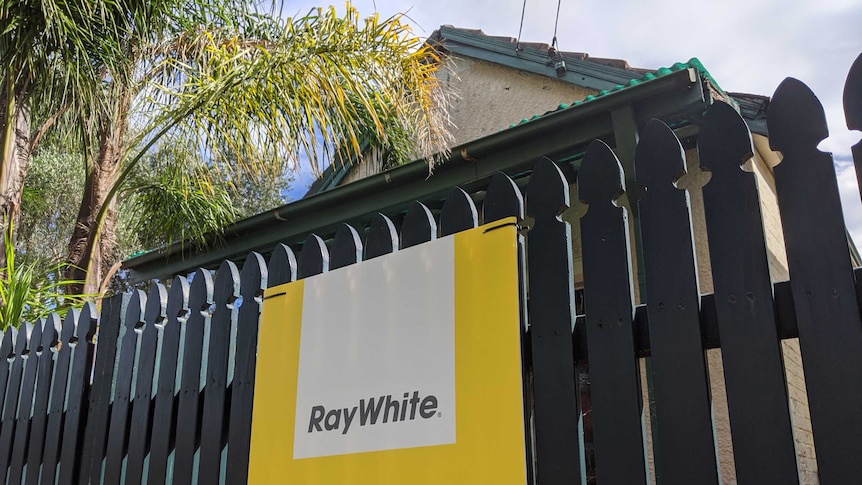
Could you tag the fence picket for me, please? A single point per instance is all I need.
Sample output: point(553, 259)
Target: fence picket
point(253, 279)
point(558, 437)
point(282, 266)
point(681, 384)
point(78, 395)
point(47, 351)
point(419, 226)
point(164, 421)
point(346, 247)
point(25, 403)
point(853, 111)
point(618, 431)
point(382, 238)
point(313, 259)
point(54, 428)
point(502, 199)
point(10, 405)
point(141, 416)
point(7, 356)
point(821, 278)
point(214, 432)
point(459, 213)
point(118, 431)
point(193, 367)
point(751, 353)
point(99, 409)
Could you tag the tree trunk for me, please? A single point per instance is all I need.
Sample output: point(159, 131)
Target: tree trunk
point(91, 246)
point(16, 158)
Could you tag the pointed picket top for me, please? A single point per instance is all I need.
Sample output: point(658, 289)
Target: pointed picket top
point(723, 137)
point(382, 237)
point(419, 226)
point(22, 344)
point(85, 328)
point(314, 257)
point(853, 96)
point(282, 266)
point(346, 247)
point(659, 158)
point(226, 289)
point(547, 191)
point(459, 213)
point(155, 311)
point(135, 310)
point(178, 301)
point(201, 291)
point(50, 333)
point(503, 199)
point(7, 345)
point(795, 118)
point(253, 277)
point(67, 331)
point(34, 338)
point(600, 177)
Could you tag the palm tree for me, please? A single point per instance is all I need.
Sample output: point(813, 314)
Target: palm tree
point(38, 41)
point(244, 92)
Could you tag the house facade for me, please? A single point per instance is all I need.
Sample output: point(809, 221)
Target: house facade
point(498, 81)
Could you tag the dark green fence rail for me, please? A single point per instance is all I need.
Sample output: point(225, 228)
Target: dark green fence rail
point(158, 387)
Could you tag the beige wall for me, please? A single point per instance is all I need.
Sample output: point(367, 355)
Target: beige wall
point(489, 97)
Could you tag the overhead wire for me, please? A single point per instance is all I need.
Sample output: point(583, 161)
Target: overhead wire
point(521, 28)
point(556, 23)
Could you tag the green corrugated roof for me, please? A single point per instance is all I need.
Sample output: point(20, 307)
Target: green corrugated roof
point(693, 63)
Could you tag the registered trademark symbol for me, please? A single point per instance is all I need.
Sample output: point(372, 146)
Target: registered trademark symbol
point(439, 415)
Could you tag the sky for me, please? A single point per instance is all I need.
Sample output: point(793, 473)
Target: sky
point(748, 46)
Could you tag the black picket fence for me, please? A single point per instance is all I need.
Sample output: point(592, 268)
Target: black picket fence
point(166, 395)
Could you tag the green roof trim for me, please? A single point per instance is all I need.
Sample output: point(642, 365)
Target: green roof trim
point(693, 63)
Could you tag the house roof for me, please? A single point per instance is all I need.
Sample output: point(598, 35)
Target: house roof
point(603, 74)
point(581, 69)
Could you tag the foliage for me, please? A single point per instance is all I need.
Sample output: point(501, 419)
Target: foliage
point(51, 197)
point(162, 203)
point(30, 290)
point(247, 94)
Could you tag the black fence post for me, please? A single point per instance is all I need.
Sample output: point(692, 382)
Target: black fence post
point(618, 430)
point(74, 431)
point(821, 278)
point(253, 279)
point(164, 420)
point(44, 385)
point(120, 406)
point(680, 379)
point(140, 428)
point(751, 352)
point(558, 437)
point(56, 407)
point(192, 367)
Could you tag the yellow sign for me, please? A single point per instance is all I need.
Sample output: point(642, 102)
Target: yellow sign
point(404, 369)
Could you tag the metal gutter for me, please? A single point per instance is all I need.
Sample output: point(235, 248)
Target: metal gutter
point(673, 97)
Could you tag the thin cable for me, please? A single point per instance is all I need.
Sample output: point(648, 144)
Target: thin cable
point(521, 28)
point(556, 22)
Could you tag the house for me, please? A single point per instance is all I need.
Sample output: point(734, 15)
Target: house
point(569, 99)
